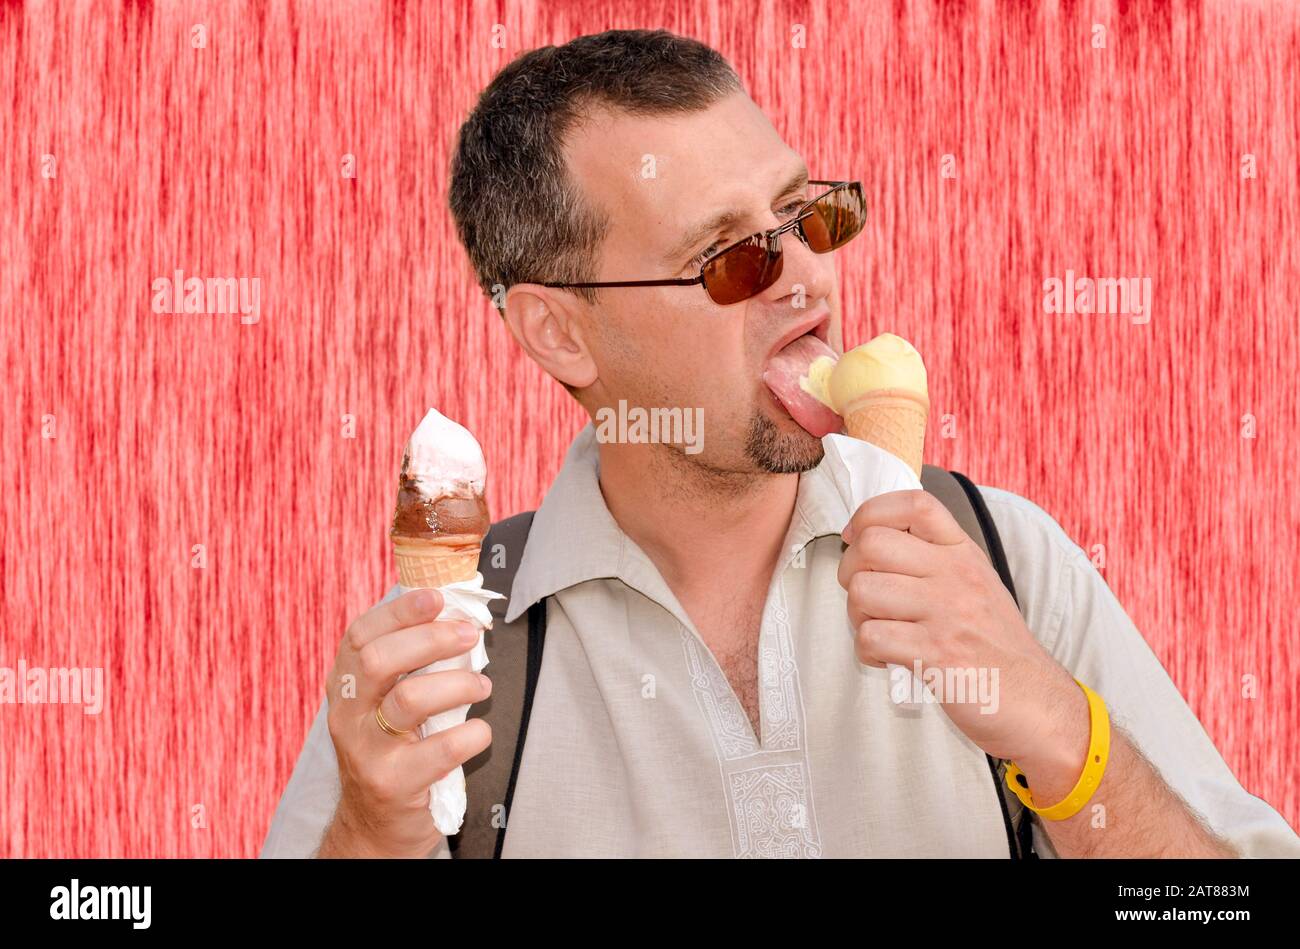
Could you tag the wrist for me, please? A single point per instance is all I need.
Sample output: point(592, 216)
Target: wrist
point(348, 837)
point(1053, 766)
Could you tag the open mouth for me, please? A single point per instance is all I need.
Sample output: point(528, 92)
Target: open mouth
point(787, 370)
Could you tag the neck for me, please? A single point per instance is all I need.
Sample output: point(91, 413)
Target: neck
point(697, 524)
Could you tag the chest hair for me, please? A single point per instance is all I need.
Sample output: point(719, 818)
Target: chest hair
point(732, 637)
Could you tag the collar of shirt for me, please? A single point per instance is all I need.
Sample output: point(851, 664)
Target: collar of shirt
point(574, 538)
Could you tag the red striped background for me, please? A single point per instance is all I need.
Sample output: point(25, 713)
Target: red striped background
point(174, 430)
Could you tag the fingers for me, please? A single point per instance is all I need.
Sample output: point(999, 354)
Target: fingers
point(432, 758)
point(415, 698)
point(391, 782)
point(916, 511)
point(412, 607)
point(892, 596)
point(383, 659)
point(882, 641)
point(887, 550)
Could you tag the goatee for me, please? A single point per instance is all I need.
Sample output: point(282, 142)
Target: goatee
point(778, 452)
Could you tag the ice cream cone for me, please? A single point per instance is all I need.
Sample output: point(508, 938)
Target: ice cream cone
point(435, 562)
point(892, 419)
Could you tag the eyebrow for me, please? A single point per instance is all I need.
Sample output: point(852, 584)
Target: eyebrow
point(724, 221)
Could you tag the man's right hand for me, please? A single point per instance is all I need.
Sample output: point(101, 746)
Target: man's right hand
point(383, 810)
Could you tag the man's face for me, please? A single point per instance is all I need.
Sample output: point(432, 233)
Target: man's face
point(658, 178)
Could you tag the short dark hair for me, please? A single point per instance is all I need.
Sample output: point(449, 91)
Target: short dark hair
point(518, 213)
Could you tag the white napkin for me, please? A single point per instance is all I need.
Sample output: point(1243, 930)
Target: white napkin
point(860, 471)
point(463, 600)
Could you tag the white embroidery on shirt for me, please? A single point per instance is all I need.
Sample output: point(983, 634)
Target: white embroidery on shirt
point(768, 789)
point(779, 680)
point(772, 812)
point(732, 733)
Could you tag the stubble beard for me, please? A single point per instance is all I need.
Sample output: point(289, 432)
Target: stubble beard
point(779, 452)
point(767, 448)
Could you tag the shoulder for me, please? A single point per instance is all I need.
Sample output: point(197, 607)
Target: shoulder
point(1020, 519)
point(1045, 562)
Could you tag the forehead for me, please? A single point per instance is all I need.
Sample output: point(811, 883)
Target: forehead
point(657, 175)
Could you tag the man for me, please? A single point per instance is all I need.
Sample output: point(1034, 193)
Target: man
point(702, 693)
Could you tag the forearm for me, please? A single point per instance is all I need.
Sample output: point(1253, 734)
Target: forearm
point(340, 841)
point(344, 839)
point(1133, 813)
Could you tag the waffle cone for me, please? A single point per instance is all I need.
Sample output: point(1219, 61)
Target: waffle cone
point(435, 562)
point(892, 419)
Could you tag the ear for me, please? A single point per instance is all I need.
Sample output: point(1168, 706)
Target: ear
point(548, 325)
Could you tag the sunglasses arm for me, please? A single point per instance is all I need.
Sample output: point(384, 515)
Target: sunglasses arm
point(684, 282)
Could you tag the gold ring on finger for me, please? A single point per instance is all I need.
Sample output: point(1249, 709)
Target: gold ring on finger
point(384, 724)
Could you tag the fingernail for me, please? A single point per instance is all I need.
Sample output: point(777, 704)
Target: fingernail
point(425, 603)
point(468, 633)
point(484, 681)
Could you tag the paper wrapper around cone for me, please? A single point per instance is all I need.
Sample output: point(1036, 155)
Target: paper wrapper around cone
point(451, 565)
point(892, 419)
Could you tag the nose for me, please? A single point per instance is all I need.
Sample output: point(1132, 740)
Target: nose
point(801, 267)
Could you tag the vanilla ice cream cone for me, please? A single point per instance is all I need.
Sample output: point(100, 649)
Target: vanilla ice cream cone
point(881, 391)
point(435, 562)
point(892, 419)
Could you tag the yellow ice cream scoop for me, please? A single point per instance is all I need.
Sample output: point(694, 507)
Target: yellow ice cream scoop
point(887, 362)
point(818, 381)
point(881, 391)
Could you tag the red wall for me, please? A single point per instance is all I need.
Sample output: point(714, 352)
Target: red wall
point(175, 430)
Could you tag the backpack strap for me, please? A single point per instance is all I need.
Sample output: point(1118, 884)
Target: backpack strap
point(489, 777)
point(533, 669)
point(965, 503)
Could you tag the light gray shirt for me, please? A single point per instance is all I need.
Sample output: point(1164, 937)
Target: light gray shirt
point(638, 746)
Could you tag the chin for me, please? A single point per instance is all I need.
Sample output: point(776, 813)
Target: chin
point(781, 445)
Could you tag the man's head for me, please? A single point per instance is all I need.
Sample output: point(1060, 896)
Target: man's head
point(597, 161)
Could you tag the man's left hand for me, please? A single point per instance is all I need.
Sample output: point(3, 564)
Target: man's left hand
point(920, 589)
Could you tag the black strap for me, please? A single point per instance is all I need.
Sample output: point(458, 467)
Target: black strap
point(996, 553)
point(1021, 841)
point(966, 510)
point(1014, 845)
point(536, 643)
point(506, 538)
point(487, 776)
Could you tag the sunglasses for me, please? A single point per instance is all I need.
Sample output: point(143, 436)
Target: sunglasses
point(750, 266)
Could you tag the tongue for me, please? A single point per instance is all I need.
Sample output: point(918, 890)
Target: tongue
point(782, 377)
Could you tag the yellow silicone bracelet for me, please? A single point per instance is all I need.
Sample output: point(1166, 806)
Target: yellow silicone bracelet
point(1094, 766)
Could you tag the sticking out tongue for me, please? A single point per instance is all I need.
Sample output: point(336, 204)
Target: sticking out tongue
point(782, 377)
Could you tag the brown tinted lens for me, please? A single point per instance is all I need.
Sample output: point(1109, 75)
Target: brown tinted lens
point(839, 217)
point(741, 272)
